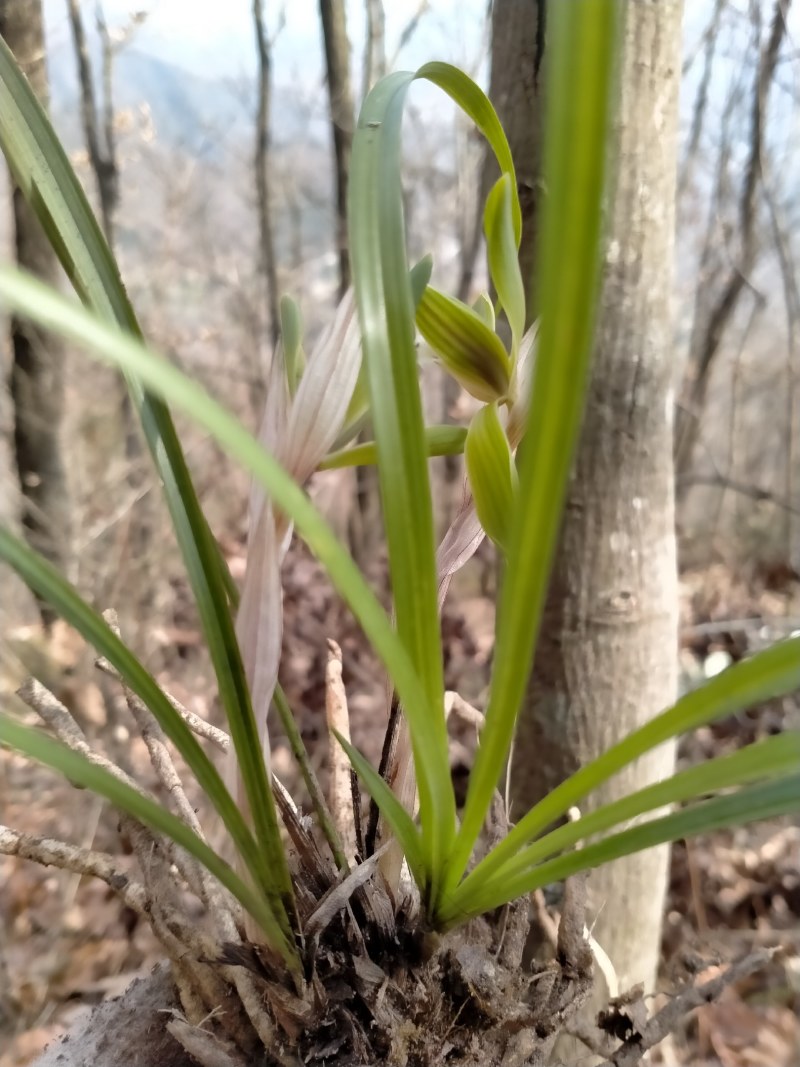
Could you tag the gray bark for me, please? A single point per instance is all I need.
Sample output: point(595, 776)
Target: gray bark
point(340, 95)
point(374, 46)
point(101, 148)
point(518, 32)
point(126, 1032)
point(266, 243)
point(606, 660)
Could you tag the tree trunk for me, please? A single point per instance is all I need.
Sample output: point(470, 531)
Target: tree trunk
point(374, 46)
point(606, 660)
point(518, 32)
point(266, 246)
point(101, 146)
point(340, 95)
point(17, 606)
point(102, 151)
point(37, 385)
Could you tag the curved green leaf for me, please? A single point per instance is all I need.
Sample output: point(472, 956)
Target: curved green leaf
point(386, 310)
point(46, 750)
point(772, 758)
point(474, 103)
point(472, 353)
point(580, 64)
point(502, 251)
point(770, 673)
point(392, 810)
point(49, 184)
point(765, 801)
point(46, 581)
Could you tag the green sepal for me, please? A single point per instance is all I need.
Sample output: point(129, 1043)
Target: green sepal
point(483, 306)
point(292, 338)
point(440, 441)
point(472, 353)
point(491, 472)
point(420, 276)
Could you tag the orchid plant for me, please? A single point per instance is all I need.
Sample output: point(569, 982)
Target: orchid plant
point(518, 449)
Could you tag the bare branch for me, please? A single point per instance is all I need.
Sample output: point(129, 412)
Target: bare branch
point(153, 736)
point(57, 717)
point(409, 30)
point(340, 96)
point(707, 334)
point(708, 43)
point(754, 492)
point(195, 723)
point(52, 853)
point(630, 1053)
point(101, 156)
point(340, 781)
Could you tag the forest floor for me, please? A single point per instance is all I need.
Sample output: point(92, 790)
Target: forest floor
point(67, 942)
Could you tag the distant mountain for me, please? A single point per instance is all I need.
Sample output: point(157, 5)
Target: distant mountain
point(198, 115)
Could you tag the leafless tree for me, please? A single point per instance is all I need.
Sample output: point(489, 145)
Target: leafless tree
point(518, 43)
point(717, 303)
point(98, 122)
point(37, 368)
point(374, 46)
point(100, 137)
point(267, 263)
point(340, 97)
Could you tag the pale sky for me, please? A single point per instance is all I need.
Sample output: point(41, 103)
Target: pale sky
point(209, 37)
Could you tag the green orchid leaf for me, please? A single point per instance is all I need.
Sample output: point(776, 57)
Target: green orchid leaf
point(38, 746)
point(386, 313)
point(767, 800)
point(468, 350)
point(396, 816)
point(49, 184)
point(492, 474)
point(772, 758)
point(502, 250)
point(580, 67)
point(45, 580)
point(771, 673)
